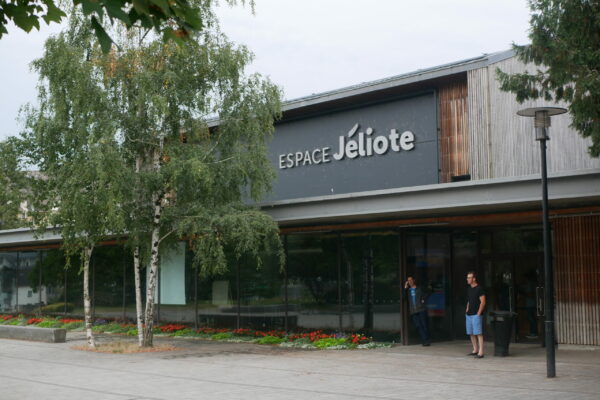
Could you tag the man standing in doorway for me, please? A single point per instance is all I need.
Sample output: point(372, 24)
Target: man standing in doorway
point(474, 311)
point(418, 308)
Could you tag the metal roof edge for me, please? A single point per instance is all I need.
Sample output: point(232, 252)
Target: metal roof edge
point(419, 75)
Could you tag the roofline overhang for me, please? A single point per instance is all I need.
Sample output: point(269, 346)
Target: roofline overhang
point(460, 198)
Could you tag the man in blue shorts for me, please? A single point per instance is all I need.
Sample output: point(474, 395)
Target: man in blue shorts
point(474, 311)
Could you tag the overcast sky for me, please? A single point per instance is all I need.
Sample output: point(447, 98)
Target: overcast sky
point(311, 46)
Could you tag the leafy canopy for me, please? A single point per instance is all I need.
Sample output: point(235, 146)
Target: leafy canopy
point(70, 140)
point(12, 180)
point(174, 19)
point(565, 46)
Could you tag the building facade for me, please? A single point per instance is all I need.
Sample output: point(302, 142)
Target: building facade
point(430, 174)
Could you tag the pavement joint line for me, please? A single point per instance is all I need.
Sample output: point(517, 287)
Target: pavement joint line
point(425, 381)
point(128, 395)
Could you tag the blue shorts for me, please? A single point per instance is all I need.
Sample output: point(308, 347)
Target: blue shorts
point(474, 324)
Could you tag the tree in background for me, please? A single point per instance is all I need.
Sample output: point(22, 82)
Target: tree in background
point(565, 47)
point(12, 178)
point(71, 140)
point(175, 19)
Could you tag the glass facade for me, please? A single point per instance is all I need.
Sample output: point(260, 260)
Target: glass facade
point(338, 281)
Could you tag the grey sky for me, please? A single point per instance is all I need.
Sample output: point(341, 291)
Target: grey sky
point(311, 46)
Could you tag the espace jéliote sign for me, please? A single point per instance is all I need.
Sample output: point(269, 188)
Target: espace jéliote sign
point(385, 145)
point(365, 144)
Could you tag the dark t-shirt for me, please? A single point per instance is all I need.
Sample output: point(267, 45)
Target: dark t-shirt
point(473, 294)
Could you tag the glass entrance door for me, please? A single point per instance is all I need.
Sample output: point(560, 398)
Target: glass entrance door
point(510, 283)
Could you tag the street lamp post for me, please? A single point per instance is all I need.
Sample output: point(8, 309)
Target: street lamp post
point(541, 117)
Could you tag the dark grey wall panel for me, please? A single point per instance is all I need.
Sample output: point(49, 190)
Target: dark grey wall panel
point(398, 167)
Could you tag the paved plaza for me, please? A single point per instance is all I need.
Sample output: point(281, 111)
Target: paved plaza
point(217, 370)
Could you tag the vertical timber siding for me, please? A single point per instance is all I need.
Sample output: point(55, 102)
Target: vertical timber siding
point(503, 144)
point(577, 276)
point(454, 146)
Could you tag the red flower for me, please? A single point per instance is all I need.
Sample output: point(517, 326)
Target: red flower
point(32, 321)
point(171, 328)
point(69, 320)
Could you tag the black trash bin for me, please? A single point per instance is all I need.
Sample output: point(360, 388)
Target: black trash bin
point(502, 324)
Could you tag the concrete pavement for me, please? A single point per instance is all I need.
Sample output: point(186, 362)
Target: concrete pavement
point(217, 370)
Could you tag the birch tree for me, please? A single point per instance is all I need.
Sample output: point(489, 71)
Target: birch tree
point(190, 179)
point(70, 140)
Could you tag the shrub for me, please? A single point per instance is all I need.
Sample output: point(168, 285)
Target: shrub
point(270, 340)
point(222, 336)
point(330, 342)
point(50, 324)
point(184, 332)
point(132, 332)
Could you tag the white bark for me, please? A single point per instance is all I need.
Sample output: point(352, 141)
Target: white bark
point(138, 296)
point(87, 305)
point(157, 202)
point(153, 273)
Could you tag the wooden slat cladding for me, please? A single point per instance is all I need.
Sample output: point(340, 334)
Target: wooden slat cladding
point(577, 276)
point(503, 144)
point(479, 123)
point(454, 146)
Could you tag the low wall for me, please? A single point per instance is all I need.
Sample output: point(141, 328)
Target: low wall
point(50, 335)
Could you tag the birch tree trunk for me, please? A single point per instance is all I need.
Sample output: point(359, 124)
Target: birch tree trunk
point(87, 305)
point(153, 272)
point(157, 201)
point(139, 311)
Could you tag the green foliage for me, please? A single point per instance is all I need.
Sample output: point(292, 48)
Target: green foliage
point(12, 180)
point(50, 324)
point(330, 342)
point(184, 332)
point(132, 332)
point(222, 336)
point(270, 340)
point(174, 20)
point(565, 47)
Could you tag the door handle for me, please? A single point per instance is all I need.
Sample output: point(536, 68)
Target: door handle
point(539, 301)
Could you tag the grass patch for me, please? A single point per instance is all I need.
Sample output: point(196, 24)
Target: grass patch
point(125, 348)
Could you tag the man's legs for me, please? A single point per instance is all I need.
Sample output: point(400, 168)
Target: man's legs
point(480, 342)
point(419, 319)
point(474, 343)
point(424, 328)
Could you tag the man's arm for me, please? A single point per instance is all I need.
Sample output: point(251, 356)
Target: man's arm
point(481, 305)
point(467, 309)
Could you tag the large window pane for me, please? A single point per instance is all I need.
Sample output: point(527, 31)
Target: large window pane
point(28, 297)
point(262, 294)
point(8, 287)
point(313, 280)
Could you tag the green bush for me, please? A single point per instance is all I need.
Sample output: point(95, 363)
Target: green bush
point(330, 342)
point(270, 340)
point(184, 332)
point(222, 336)
point(51, 323)
point(57, 308)
point(132, 332)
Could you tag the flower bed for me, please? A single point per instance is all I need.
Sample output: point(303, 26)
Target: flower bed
point(307, 340)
